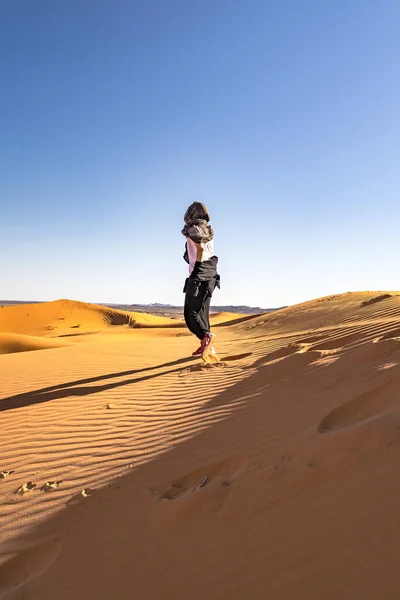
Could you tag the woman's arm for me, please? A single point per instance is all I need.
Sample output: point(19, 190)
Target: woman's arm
point(199, 252)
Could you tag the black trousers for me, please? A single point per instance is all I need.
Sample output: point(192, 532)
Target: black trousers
point(197, 309)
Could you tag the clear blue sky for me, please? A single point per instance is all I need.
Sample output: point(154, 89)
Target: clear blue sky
point(281, 115)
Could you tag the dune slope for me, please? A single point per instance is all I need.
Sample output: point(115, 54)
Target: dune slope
point(70, 317)
point(268, 475)
point(16, 342)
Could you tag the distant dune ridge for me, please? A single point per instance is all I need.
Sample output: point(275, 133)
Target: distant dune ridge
point(158, 308)
point(23, 326)
point(52, 318)
point(129, 469)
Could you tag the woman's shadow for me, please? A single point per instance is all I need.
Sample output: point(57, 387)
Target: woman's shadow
point(77, 388)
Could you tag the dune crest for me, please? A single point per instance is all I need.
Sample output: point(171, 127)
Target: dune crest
point(63, 317)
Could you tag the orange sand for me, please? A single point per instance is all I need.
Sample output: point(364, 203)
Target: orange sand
point(224, 317)
point(16, 342)
point(146, 474)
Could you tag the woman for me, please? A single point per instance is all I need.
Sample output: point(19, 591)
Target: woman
point(203, 276)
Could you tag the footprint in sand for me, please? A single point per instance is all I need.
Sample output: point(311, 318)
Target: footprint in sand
point(26, 487)
point(224, 473)
point(80, 497)
point(212, 363)
point(50, 485)
point(202, 367)
point(203, 492)
point(26, 566)
point(361, 409)
point(5, 474)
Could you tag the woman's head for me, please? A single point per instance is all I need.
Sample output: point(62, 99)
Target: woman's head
point(196, 212)
point(196, 223)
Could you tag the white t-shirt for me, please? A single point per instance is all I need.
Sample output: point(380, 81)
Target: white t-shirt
point(208, 252)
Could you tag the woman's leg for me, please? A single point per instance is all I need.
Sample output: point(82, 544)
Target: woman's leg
point(188, 314)
point(205, 312)
point(194, 313)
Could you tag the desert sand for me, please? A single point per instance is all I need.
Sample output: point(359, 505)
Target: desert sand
point(130, 470)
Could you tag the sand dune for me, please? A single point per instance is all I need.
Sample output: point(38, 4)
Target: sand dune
point(45, 325)
point(63, 317)
point(225, 317)
point(15, 342)
point(129, 470)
